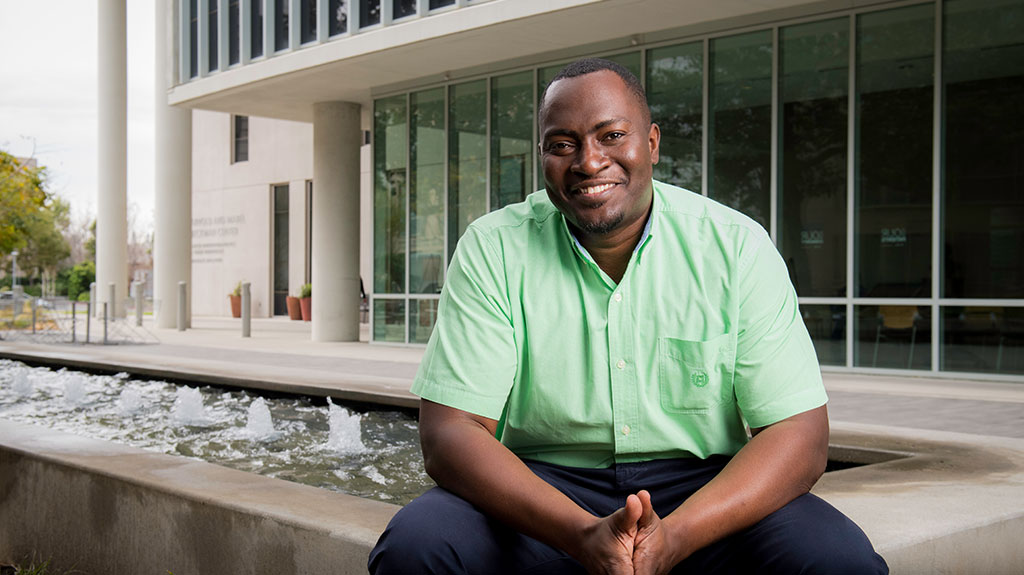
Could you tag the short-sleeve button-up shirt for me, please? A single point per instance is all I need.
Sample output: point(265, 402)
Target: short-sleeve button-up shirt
point(701, 336)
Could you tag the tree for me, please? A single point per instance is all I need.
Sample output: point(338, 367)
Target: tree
point(32, 220)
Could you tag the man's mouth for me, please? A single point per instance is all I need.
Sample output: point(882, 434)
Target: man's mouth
point(592, 190)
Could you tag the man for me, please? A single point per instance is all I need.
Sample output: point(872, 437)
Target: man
point(600, 350)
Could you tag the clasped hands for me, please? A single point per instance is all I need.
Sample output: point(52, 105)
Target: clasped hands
point(631, 541)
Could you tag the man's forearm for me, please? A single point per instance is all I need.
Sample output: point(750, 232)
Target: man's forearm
point(781, 462)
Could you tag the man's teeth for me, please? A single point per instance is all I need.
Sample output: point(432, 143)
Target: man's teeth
point(595, 189)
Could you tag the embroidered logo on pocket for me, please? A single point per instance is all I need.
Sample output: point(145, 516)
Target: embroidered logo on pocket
point(699, 378)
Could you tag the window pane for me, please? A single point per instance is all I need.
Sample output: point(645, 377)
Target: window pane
point(894, 152)
point(241, 138)
point(827, 326)
point(467, 157)
point(280, 249)
point(983, 339)
point(629, 60)
point(893, 336)
point(211, 28)
point(389, 153)
point(280, 24)
point(369, 13)
point(234, 34)
point(440, 3)
point(674, 92)
point(308, 22)
point(740, 127)
point(389, 320)
point(512, 149)
point(402, 8)
point(813, 102)
point(337, 17)
point(422, 315)
point(193, 38)
point(426, 192)
point(256, 30)
point(983, 202)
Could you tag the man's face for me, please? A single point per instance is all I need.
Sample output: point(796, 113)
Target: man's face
point(597, 149)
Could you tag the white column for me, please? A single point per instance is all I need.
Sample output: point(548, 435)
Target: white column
point(112, 151)
point(172, 242)
point(336, 140)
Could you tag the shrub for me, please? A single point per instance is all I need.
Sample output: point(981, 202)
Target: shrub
point(79, 279)
point(306, 291)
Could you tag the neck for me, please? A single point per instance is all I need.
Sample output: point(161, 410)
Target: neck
point(611, 251)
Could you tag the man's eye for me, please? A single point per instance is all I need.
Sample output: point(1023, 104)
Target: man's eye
point(615, 136)
point(559, 147)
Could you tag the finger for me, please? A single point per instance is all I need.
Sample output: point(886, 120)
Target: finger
point(647, 515)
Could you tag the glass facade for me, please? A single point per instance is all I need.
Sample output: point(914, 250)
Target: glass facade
point(337, 17)
point(880, 147)
point(307, 23)
point(211, 29)
point(234, 32)
point(256, 29)
point(675, 93)
point(281, 13)
point(740, 123)
point(369, 13)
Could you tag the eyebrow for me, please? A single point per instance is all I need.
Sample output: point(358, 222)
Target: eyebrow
point(573, 134)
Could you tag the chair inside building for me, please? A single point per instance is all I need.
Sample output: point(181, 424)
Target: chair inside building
point(896, 323)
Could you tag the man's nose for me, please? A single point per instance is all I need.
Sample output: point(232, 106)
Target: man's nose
point(590, 159)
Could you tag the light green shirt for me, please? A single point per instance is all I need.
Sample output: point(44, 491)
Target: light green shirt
point(701, 333)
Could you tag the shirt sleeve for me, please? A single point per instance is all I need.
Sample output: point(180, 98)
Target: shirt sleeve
point(470, 362)
point(777, 373)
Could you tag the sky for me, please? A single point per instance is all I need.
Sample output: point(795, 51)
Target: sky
point(48, 97)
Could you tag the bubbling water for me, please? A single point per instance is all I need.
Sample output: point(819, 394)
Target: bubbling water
point(259, 424)
point(345, 431)
point(368, 454)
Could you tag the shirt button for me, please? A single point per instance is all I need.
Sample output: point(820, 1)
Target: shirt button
point(625, 430)
point(621, 364)
point(617, 297)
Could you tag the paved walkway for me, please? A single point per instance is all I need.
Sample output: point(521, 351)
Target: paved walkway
point(280, 357)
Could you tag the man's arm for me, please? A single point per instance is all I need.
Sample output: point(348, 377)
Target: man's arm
point(780, 463)
point(461, 454)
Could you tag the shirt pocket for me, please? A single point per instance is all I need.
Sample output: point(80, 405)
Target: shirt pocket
point(693, 376)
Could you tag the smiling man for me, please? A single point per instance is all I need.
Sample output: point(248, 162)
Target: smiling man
point(600, 353)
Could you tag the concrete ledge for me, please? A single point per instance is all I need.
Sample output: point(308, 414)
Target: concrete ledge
point(932, 502)
point(105, 508)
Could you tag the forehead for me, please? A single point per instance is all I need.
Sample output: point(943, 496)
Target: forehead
point(591, 97)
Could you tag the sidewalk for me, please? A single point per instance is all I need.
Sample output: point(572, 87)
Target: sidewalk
point(281, 357)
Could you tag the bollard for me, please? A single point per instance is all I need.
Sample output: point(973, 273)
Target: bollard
point(105, 309)
point(88, 320)
point(182, 299)
point(92, 299)
point(246, 310)
point(35, 302)
point(74, 318)
point(138, 303)
point(112, 298)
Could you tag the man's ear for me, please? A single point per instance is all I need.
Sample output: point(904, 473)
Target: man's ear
point(654, 139)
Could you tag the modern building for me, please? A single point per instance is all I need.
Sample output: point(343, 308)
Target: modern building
point(881, 144)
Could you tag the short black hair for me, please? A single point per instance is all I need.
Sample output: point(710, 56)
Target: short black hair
point(585, 66)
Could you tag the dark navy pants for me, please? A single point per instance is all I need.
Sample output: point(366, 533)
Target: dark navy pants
point(440, 532)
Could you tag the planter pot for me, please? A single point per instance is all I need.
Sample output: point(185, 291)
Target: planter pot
point(236, 305)
point(306, 304)
point(294, 308)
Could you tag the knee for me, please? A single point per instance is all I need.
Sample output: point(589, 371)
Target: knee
point(829, 543)
point(417, 540)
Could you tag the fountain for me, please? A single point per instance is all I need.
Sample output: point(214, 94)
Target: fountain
point(372, 454)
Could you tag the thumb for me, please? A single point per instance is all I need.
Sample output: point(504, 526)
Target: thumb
point(647, 516)
point(624, 520)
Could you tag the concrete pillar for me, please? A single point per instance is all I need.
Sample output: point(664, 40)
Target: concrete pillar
point(336, 140)
point(172, 242)
point(112, 151)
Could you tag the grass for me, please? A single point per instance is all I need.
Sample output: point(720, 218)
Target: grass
point(33, 568)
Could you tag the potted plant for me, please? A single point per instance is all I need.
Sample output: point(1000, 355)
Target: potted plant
point(306, 301)
point(236, 300)
point(294, 307)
